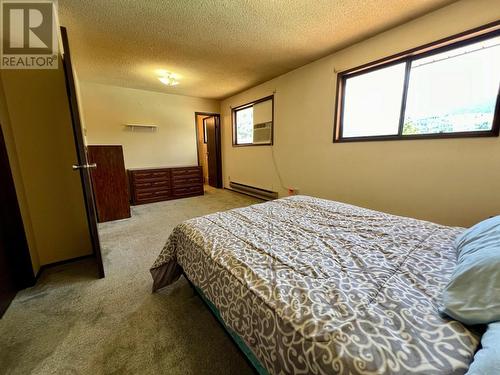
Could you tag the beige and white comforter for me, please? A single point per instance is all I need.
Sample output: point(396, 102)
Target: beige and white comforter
point(319, 287)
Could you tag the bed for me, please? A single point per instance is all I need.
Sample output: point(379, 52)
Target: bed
point(312, 286)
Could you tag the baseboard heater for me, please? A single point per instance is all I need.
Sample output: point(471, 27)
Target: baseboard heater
point(253, 191)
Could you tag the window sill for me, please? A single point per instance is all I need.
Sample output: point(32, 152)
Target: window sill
point(252, 144)
point(492, 133)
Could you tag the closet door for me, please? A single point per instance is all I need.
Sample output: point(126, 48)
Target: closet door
point(212, 125)
point(109, 182)
point(83, 167)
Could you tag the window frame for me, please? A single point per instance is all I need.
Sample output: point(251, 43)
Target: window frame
point(455, 41)
point(247, 105)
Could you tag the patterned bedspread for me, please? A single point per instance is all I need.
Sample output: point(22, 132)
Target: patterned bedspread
point(318, 287)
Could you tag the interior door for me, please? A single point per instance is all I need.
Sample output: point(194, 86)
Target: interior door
point(16, 272)
point(83, 165)
point(214, 151)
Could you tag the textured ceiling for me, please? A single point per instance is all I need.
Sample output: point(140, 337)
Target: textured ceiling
point(218, 47)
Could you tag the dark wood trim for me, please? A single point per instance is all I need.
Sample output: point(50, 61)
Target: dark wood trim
point(484, 134)
point(402, 111)
point(254, 145)
point(455, 41)
point(246, 105)
point(339, 108)
point(207, 114)
point(257, 101)
point(496, 117)
point(374, 68)
point(197, 137)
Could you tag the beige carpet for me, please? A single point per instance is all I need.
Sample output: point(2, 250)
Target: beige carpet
point(72, 323)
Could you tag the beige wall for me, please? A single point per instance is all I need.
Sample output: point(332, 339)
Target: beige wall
point(18, 181)
point(107, 108)
point(41, 138)
point(450, 181)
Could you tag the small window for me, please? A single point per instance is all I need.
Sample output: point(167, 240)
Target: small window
point(253, 123)
point(450, 91)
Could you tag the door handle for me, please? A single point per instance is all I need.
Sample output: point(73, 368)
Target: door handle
point(84, 166)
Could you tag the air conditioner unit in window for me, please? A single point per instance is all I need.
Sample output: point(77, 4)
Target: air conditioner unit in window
point(262, 133)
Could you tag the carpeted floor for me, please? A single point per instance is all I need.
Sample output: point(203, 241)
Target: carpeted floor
point(73, 323)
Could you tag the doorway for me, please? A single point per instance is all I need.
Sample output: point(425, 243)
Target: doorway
point(16, 272)
point(208, 142)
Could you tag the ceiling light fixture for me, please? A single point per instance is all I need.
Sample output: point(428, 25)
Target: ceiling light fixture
point(168, 79)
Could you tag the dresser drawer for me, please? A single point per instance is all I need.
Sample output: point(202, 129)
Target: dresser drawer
point(187, 180)
point(145, 185)
point(186, 172)
point(188, 190)
point(152, 194)
point(155, 175)
point(153, 185)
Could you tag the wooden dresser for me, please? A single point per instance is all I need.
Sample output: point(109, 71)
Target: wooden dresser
point(160, 184)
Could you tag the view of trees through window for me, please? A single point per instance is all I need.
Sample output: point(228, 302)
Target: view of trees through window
point(244, 125)
point(447, 92)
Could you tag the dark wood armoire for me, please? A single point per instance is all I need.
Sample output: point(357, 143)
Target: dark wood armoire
point(109, 182)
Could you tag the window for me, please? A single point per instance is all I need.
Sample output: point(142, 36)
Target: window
point(447, 91)
point(253, 123)
point(379, 95)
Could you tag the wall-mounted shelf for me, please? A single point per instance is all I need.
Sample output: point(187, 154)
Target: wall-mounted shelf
point(140, 127)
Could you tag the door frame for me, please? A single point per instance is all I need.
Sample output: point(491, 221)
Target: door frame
point(14, 235)
point(218, 143)
point(81, 152)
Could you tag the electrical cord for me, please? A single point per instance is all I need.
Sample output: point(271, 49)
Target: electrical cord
point(276, 168)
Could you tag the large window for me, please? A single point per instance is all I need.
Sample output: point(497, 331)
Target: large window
point(449, 90)
point(253, 123)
